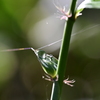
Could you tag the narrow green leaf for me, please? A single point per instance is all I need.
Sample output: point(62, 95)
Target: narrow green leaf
point(88, 4)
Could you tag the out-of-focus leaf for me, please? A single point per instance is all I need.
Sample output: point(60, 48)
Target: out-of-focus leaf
point(88, 4)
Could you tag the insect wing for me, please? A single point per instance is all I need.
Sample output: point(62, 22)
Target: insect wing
point(48, 62)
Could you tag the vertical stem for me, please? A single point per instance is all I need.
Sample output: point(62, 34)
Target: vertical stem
point(55, 91)
point(57, 86)
point(64, 52)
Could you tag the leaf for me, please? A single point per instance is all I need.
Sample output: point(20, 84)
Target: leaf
point(88, 4)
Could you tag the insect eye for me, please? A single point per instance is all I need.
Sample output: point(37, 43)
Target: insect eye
point(40, 54)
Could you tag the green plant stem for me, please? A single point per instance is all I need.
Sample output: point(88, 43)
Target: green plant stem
point(57, 86)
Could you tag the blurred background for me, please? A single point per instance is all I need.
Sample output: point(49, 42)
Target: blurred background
point(36, 23)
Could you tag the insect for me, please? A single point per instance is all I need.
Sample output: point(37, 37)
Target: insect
point(48, 62)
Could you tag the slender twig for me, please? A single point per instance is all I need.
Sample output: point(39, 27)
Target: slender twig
point(57, 86)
